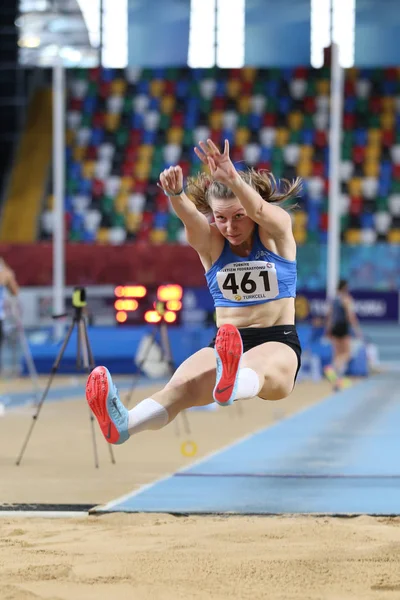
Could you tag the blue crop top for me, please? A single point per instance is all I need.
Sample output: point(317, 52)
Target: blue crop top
point(260, 277)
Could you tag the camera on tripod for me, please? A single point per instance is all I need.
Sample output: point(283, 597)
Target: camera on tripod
point(79, 298)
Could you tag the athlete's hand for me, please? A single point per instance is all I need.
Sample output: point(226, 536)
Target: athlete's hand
point(220, 165)
point(171, 180)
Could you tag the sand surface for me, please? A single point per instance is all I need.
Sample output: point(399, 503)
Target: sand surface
point(164, 557)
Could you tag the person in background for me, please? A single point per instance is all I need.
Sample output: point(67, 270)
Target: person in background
point(7, 282)
point(341, 322)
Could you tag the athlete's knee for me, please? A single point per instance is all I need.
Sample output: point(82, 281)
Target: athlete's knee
point(277, 386)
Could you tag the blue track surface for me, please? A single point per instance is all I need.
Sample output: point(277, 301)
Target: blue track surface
point(339, 457)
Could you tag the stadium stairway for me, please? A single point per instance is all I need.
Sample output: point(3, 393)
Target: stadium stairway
point(29, 172)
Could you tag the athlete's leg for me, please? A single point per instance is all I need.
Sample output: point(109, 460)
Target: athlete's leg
point(191, 385)
point(341, 354)
point(275, 364)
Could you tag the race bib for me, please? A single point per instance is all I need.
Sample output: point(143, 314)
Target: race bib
point(248, 281)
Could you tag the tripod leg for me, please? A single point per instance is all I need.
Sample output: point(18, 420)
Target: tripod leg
point(40, 404)
point(88, 362)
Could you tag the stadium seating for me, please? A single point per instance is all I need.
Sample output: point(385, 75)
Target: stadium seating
point(125, 127)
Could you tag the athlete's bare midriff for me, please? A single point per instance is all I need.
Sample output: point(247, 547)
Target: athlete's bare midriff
point(269, 314)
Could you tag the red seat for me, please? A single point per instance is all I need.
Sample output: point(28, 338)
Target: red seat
point(358, 154)
point(356, 203)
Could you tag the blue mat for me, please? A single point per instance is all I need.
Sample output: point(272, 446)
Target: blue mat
point(340, 456)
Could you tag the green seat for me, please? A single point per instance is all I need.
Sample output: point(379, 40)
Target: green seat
point(122, 137)
point(86, 120)
point(362, 105)
point(164, 122)
point(188, 138)
point(396, 186)
point(172, 74)
point(107, 205)
point(72, 186)
point(311, 89)
point(75, 236)
point(344, 222)
point(374, 122)
point(205, 105)
point(308, 122)
point(312, 237)
point(382, 204)
point(92, 88)
point(294, 137)
point(346, 152)
point(243, 120)
point(118, 220)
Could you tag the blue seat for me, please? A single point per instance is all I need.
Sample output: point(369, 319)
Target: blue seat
point(97, 136)
point(360, 137)
point(350, 104)
point(137, 121)
point(149, 137)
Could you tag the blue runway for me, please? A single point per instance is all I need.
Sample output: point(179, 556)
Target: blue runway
point(339, 457)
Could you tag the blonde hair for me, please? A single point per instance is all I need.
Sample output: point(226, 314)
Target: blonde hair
point(203, 187)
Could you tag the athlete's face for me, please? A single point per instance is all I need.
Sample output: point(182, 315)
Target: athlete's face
point(232, 220)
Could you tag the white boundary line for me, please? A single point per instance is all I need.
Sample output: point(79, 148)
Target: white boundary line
point(107, 507)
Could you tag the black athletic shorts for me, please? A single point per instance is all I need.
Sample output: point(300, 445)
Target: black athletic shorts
point(340, 330)
point(255, 336)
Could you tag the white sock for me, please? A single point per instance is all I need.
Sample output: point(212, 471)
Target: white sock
point(248, 384)
point(148, 414)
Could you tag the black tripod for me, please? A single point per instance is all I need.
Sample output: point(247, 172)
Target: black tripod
point(84, 358)
point(166, 354)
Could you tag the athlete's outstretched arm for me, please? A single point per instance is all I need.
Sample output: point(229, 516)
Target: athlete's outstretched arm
point(198, 232)
point(272, 218)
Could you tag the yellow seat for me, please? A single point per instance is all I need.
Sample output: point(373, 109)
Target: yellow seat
point(295, 120)
point(167, 104)
point(300, 235)
point(145, 152)
point(175, 135)
point(69, 137)
point(102, 235)
point(388, 104)
point(111, 121)
point(323, 87)
point(374, 136)
point(373, 153)
point(249, 73)
point(355, 186)
point(352, 74)
point(157, 87)
point(353, 236)
point(121, 202)
point(300, 218)
point(79, 153)
point(282, 137)
point(393, 236)
point(388, 120)
point(242, 136)
point(158, 236)
point(244, 105)
point(371, 168)
point(306, 152)
point(215, 119)
point(88, 169)
point(118, 87)
point(304, 167)
point(141, 170)
point(133, 221)
point(126, 183)
point(233, 88)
